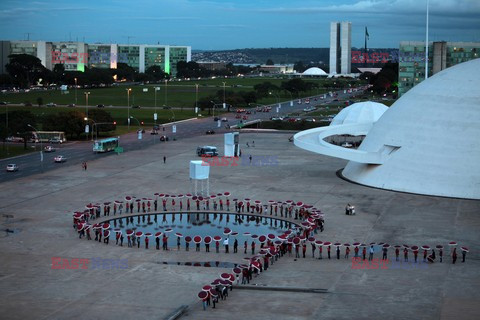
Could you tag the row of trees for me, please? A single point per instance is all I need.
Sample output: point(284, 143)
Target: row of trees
point(385, 81)
point(71, 122)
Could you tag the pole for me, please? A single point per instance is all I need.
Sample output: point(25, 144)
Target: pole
point(426, 46)
point(166, 94)
point(196, 98)
point(76, 91)
point(128, 108)
point(224, 94)
point(41, 145)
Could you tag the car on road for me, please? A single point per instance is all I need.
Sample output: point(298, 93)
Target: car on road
point(224, 119)
point(154, 132)
point(166, 108)
point(299, 101)
point(14, 139)
point(3, 103)
point(55, 140)
point(248, 112)
point(163, 138)
point(100, 106)
point(136, 107)
point(27, 104)
point(245, 117)
point(210, 132)
point(49, 149)
point(60, 159)
point(308, 109)
point(51, 104)
point(238, 116)
point(207, 151)
point(276, 118)
point(216, 119)
point(12, 167)
point(72, 105)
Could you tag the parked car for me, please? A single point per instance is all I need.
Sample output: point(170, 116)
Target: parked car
point(210, 132)
point(3, 103)
point(163, 138)
point(14, 139)
point(224, 119)
point(100, 106)
point(51, 104)
point(12, 167)
point(49, 149)
point(59, 159)
point(55, 140)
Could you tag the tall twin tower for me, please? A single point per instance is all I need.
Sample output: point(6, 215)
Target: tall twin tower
point(340, 47)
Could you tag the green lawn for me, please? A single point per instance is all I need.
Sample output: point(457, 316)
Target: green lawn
point(12, 150)
point(176, 93)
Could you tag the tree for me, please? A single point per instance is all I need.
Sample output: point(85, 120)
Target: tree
point(71, 122)
point(103, 119)
point(18, 124)
point(299, 67)
point(156, 72)
point(39, 101)
point(264, 88)
point(124, 72)
point(25, 69)
point(269, 62)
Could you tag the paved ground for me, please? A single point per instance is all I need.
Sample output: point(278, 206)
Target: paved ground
point(148, 289)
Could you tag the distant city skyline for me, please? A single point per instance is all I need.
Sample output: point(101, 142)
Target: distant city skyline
point(217, 25)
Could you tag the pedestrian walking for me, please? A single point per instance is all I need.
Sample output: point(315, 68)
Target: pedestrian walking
point(250, 158)
point(440, 253)
point(178, 243)
point(464, 253)
point(121, 239)
point(253, 247)
point(235, 246)
point(245, 247)
point(415, 255)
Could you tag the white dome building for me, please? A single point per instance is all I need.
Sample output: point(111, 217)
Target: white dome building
point(427, 142)
point(360, 112)
point(314, 71)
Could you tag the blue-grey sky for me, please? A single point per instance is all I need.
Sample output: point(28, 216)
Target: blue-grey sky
point(230, 24)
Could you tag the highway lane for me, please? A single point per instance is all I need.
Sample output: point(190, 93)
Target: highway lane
point(79, 151)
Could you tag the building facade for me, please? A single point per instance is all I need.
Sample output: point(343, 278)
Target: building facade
point(441, 55)
point(340, 47)
point(75, 56)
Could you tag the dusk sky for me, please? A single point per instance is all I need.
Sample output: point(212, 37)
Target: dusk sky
point(224, 24)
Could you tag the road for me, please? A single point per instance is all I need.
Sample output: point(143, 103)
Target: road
point(79, 151)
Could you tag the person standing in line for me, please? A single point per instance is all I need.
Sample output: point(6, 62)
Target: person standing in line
point(371, 251)
point(217, 246)
point(356, 251)
point(338, 252)
point(121, 239)
point(164, 159)
point(320, 252)
point(328, 251)
point(464, 253)
point(138, 243)
point(364, 253)
point(178, 243)
point(225, 243)
point(313, 249)
point(165, 242)
point(415, 255)
point(304, 249)
point(253, 247)
point(157, 241)
point(129, 240)
point(440, 253)
point(207, 247)
point(384, 256)
point(405, 254)
point(454, 255)
point(235, 246)
point(297, 250)
point(117, 237)
point(146, 242)
point(397, 254)
point(245, 247)
point(347, 252)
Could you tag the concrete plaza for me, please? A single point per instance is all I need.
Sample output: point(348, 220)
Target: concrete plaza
point(42, 207)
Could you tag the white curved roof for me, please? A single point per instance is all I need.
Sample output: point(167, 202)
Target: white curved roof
point(314, 71)
point(360, 112)
point(428, 139)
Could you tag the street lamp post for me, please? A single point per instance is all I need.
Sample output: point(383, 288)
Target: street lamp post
point(278, 101)
point(196, 98)
point(76, 91)
point(86, 102)
point(41, 145)
point(166, 93)
point(93, 128)
point(128, 107)
point(224, 94)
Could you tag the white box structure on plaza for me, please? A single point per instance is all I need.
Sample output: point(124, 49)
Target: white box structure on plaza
point(199, 171)
point(232, 147)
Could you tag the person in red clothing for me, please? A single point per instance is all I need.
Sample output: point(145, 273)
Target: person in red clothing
point(146, 242)
point(364, 253)
point(228, 205)
point(320, 252)
point(304, 249)
point(347, 252)
point(415, 255)
point(165, 242)
point(405, 254)
point(397, 253)
point(356, 251)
